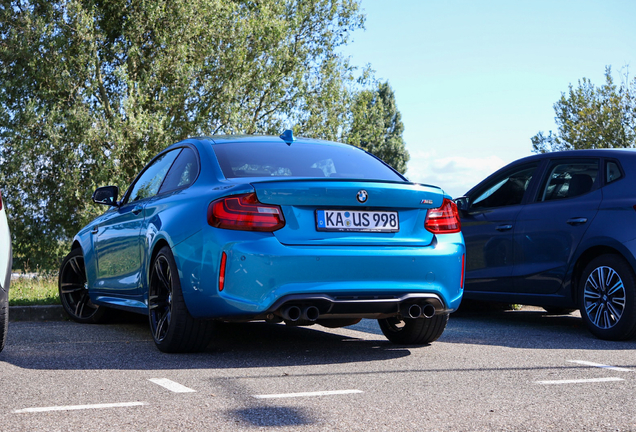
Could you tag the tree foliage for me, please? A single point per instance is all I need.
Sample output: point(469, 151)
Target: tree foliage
point(377, 127)
point(90, 90)
point(593, 117)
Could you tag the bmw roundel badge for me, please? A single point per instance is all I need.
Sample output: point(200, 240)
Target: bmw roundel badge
point(362, 196)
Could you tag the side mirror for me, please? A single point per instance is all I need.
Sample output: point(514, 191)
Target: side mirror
point(462, 203)
point(106, 195)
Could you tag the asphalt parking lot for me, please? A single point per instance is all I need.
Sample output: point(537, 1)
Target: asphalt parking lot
point(517, 370)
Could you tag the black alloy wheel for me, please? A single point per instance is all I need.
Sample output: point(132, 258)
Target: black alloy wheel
point(413, 331)
point(607, 297)
point(173, 328)
point(160, 298)
point(73, 288)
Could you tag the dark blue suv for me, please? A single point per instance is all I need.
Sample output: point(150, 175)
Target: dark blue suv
point(557, 230)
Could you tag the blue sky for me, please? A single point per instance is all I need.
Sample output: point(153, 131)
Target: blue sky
point(475, 80)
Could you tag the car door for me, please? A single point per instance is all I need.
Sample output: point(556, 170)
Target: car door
point(549, 229)
point(118, 240)
point(488, 225)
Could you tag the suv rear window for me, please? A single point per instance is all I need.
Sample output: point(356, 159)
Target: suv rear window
point(272, 159)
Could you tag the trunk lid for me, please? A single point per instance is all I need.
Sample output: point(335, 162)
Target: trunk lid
point(308, 203)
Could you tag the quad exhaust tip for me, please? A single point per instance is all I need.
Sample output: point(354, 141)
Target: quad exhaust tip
point(310, 313)
point(291, 313)
point(295, 313)
point(417, 311)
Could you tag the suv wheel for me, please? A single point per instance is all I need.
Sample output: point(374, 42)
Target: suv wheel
point(607, 297)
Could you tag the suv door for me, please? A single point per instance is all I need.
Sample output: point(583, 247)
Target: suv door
point(549, 229)
point(488, 224)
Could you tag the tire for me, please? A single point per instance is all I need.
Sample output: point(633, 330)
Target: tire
point(558, 311)
point(607, 298)
point(73, 288)
point(4, 320)
point(173, 328)
point(417, 331)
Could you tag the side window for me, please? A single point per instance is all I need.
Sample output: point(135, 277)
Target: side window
point(183, 173)
point(148, 183)
point(506, 190)
point(612, 171)
point(568, 179)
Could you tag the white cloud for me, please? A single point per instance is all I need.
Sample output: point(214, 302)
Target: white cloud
point(455, 174)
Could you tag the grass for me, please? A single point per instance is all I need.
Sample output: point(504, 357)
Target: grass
point(39, 290)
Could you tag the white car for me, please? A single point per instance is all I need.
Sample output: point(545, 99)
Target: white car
point(6, 259)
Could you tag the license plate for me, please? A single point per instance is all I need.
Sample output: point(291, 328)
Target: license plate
point(356, 220)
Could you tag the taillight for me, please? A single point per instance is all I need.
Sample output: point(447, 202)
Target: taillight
point(443, 220)
point(245, 213)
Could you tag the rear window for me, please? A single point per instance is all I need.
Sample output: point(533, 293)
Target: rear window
point(274, 159)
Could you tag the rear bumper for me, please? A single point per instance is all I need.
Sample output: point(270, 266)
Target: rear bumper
point(369, 306)
point(263, 276)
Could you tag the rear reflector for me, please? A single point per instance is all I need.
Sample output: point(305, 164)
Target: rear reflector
point(245, 213)
point(222, 271)
point(443, 220)
point(461, 283)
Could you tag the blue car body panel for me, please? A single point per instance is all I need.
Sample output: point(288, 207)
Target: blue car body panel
point(264, 267)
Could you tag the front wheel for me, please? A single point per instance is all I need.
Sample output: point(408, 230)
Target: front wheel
point(418, 331)
point(607, 298)
point(73, 289)
point(173, 328)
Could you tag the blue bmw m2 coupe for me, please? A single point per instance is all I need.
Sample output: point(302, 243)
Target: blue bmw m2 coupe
point(279, 229)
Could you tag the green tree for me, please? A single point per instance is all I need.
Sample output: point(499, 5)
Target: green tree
point(593, 117)
point(376, 125)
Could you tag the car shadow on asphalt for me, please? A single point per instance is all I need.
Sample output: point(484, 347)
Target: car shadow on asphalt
point(530, 327)
point(127, 344)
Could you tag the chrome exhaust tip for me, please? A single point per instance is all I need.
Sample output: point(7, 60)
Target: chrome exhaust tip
point(291, 313)
point(310, 313)
point(428, 311)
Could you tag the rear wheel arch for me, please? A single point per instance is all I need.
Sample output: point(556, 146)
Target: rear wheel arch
point(582, 262)
point(156, 248)
point(159, 244)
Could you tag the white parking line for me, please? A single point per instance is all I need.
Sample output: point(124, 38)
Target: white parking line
point(79, 407)
point(581, 381)
point(171, 385)
point(306, 394)
point(599, 365)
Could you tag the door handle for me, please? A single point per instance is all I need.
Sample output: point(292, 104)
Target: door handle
point(503, 227)
point(137, 210)
point(95, 229)
point(577, 221)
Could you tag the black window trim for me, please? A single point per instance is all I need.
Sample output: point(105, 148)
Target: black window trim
point(620, 168)
point(198, 160)
point(124, 200)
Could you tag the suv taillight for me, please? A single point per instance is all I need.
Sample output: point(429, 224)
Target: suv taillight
point(443, 220)
point(245, 213)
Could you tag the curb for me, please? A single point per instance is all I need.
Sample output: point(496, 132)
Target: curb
point(37, 313)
